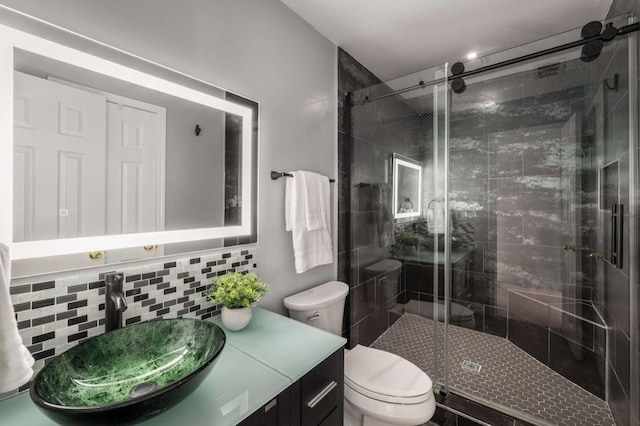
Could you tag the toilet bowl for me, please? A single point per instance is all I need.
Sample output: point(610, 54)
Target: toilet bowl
point(381, 388)
point(384, 389)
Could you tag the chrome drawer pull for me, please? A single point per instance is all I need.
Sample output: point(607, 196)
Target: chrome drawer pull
point(319, 397)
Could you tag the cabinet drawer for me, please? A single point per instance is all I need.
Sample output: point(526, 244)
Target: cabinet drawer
point(332, 419)
point(321, 390)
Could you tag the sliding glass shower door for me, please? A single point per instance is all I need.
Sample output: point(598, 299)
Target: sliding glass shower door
point(490, 228)
point(537, 184)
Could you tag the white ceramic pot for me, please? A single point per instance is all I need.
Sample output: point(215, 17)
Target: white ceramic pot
point(236, 319)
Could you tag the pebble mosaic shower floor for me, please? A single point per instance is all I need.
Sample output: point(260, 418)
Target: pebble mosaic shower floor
point(508, 377)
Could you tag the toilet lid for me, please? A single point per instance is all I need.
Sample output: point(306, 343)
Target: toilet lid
point(382, 374)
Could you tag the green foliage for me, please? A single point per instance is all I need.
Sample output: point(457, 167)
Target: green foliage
point(237, 290)
point(408, 238)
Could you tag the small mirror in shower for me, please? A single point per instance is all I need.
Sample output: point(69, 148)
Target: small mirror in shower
point(407, 187)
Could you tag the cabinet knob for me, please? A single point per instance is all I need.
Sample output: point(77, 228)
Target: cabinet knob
point(149, 248)
point(95, 255)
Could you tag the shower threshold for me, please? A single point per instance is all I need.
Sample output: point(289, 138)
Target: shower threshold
point(509, 380)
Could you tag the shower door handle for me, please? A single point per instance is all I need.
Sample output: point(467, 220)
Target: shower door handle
point(617, 229)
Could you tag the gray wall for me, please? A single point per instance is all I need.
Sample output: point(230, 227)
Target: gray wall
point(258, 49)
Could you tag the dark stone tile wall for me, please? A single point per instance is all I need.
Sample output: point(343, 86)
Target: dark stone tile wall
point(368, 135)
point(510, 158)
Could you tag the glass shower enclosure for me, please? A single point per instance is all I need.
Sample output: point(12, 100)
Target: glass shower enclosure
point(513, 238)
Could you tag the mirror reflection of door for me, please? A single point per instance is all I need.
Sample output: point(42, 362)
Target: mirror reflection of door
point(83, 166)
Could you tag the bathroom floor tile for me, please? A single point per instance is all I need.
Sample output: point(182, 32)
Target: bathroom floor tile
point(509, 380)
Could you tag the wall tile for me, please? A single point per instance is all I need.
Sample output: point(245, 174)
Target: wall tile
point(61, 315)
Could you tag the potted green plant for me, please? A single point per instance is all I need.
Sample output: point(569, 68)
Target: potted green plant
point(238, 293)
point(406, 243)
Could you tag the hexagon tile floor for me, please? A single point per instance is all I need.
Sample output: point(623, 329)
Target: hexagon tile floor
point(509, 378)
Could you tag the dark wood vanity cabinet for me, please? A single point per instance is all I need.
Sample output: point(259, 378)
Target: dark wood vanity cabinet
point(316, 399)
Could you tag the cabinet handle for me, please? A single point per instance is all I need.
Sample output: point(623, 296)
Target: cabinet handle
point(271, 404)
point(95, 255)
point(320, 396)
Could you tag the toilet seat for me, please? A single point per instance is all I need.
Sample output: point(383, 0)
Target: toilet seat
point(386, 377)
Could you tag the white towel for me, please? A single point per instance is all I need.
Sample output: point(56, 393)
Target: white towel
point(15, 359)
point(316, 209)
point(435, 218)
point(312, 247)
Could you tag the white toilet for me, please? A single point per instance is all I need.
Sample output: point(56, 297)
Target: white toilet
point(380, 388)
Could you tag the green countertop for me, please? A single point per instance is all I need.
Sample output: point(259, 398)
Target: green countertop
point(256, 364)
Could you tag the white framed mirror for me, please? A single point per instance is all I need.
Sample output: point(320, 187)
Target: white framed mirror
point(95, 210)
point(407, 187)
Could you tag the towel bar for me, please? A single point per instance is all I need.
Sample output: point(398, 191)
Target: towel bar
point(278, 175)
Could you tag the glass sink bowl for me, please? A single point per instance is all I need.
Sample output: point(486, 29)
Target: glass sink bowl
point(128, 374)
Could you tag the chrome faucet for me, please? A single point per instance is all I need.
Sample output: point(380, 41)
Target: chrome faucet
point(115, 303)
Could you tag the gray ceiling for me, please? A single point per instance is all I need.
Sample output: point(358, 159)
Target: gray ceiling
point(395, 38)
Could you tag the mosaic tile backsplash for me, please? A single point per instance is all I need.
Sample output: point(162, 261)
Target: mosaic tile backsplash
point(55, 315)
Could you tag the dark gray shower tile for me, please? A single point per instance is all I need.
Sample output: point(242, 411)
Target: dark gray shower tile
point(343, 268)
point(577, 364)
point(419, 278)
point(618, 400)
point(467, 194)
point(529, 193)
point(618, 65)
point(549, 228)
point(484, 95)
point(495, 321)
point(571, 74)
point(622, 360)
point(466, 124)
point(617, 142)
point(484, 287)
point(363, 158)
point(469, 163)
point(387, 289)
point(530, 337)
point(473, 142)
point(617, 295)
point(509, 226)
point(530, 267)
point(571, 321)
point(354, 338)
point(363, 229)
point(548, 157)
point(362, 300)
point(528, 309)
point(371, 327)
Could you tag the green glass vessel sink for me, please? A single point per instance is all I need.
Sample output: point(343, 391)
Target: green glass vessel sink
point(128, 374)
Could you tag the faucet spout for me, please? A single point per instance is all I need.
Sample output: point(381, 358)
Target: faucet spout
point(115, 302)
point(120, 303)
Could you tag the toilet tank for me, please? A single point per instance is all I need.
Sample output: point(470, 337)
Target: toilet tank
point(321, 306)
